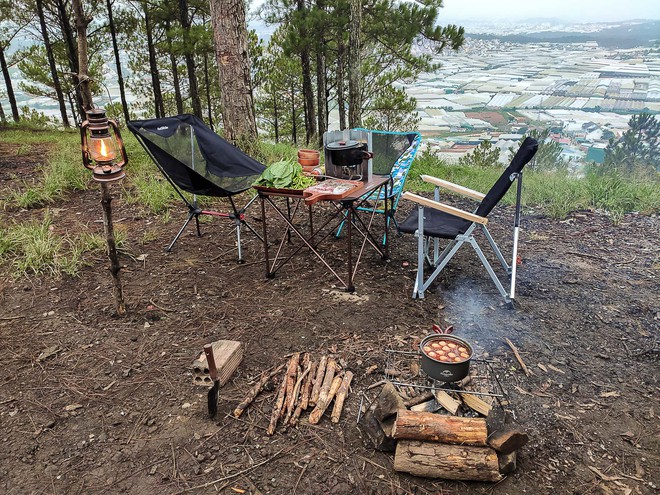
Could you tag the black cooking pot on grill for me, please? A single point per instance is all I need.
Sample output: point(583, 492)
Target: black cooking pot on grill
point(347, 153)
point(444, 371)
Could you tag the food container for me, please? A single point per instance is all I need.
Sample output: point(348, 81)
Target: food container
point(347, 153)
point(445, 371)
point(309, 162)
point(307, 154)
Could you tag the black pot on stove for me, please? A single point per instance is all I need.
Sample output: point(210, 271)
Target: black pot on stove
point(347, 153)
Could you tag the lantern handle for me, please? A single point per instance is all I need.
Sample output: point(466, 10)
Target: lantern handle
point(120, 141)
point(87, 162)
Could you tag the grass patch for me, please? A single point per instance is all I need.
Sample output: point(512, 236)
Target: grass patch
point(555, 193)
point(34, 249)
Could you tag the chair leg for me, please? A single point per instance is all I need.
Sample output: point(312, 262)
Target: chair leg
point(191, 214)
point(238, 241)
point(490, 270)
point(496, 249)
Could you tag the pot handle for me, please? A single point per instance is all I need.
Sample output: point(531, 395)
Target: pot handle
point(446, 331)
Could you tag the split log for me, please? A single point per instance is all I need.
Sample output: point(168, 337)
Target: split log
point(454, 462)
point(507, 440)
point(341, 397)
point(277, 407)
point(507, 462)
point(324, 401)
point(318, 381)
point(292, 402)
point(387, 403)
point(374, 434)
point(447, 401)
point(476, 404)
point(426, 396)
point(430, 406)
point(413, 425)
point(291, 375)
point(254, 391)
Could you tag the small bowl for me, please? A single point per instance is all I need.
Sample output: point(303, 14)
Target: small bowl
point(307, 154)
point(309, 162)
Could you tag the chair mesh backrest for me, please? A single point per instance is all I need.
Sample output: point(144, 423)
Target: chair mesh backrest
point(194, 157)
point(523, 156)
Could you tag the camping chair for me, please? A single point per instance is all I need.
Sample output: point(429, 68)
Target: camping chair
point(433, 220)
point(195, 159)
point(393, 153)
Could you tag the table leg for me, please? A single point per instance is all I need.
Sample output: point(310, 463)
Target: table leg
point(349, 239)
point(265, 229)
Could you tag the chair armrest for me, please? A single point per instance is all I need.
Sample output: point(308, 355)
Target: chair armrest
point(454, 187)
point(446, 208)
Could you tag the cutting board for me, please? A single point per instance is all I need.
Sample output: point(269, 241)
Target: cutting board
point(330, 189)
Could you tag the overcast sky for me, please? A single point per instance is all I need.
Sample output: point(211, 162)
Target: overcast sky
point(573, 10)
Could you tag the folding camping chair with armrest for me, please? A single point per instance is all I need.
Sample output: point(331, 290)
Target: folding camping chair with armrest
point(433, 220)
point(195, 159)
point(393, 153)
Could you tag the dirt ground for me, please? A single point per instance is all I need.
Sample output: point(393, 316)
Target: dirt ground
point(95, 403)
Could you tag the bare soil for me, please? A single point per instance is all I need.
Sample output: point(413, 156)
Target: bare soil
point(95, 403)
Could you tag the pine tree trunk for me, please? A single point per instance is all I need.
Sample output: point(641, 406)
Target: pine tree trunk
point(341, 91)
point(308, 90)
point(115, 49)
point(153, 65)
point(209, 106)
point(67, 31)
point(190, 59)
point(276, 120)
point(52, 66)
point(178, 101)
point(321, 81)
point(354, 59)
point(8, 85)
point(230, 34)
point(294, 126)
point(82, 21)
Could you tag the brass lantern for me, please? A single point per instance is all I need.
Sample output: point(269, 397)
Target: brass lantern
point(103, 152)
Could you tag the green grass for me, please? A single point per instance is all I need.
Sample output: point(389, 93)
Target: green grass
point(555, 194)
point(34, 248)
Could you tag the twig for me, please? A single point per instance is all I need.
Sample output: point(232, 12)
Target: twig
point(162, 308)
point(11, 317)
point(517, 354)
point(295, 488)
point(374, 385)
point(240, 473)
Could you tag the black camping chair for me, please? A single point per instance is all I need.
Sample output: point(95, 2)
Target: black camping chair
point(195, 159)
point(433, 220)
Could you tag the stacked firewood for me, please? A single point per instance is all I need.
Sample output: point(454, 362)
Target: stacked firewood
point(305, 384)
point(442, 445)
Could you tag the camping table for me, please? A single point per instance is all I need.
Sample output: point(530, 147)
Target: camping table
point(345, 208)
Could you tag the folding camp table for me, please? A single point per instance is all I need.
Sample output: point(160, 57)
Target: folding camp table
point(343, 209)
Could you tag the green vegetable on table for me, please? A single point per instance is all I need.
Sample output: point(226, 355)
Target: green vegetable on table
point(285, 174)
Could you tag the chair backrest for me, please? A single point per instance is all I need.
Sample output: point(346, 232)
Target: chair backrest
point(194, 157)
point(524, 155)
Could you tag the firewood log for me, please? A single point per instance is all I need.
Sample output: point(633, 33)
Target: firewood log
point(318, 381)
point(447, 401)
point(413, 425)
point(476, 404)
point(324, 401)
point(291, 375)
point(296, 389)
point(341, 397)
point(307, 388)
point(277, 407)
point(419, 399)
point(507, 462)
point(454, 462)
point(254, 391)
point(507, 440)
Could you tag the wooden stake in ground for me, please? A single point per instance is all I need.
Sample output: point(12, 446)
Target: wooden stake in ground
point(318, 381)
point(324, 401)
point(118, 291)
point(277, 407)
point(426, 426)
point(341, 397)
point(254, 391)
point(517, 354)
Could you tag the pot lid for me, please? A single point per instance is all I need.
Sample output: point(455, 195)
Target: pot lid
point(344, 145)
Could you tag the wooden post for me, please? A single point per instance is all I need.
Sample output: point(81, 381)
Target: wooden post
point(439, 428)
point(118, 291)
point(453, 462)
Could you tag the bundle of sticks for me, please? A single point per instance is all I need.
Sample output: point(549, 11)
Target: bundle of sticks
point(304, 384)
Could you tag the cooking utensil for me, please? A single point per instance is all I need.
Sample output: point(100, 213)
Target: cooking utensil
point(213, 372)
point(348, 153)
point(445, 371)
